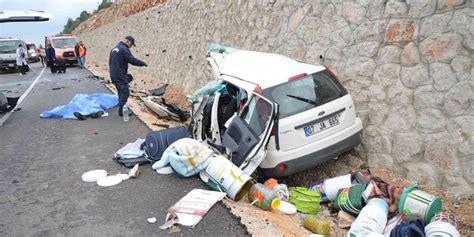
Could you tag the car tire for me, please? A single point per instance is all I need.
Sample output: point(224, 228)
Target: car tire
point(259, 175)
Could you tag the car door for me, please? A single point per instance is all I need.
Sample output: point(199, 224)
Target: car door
point(248, 133)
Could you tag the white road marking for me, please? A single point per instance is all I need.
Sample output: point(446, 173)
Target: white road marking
point(22, 97)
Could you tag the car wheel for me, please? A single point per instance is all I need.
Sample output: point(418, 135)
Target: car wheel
point(259, 175)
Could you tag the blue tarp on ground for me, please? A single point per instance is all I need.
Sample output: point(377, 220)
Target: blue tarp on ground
point(84, 104)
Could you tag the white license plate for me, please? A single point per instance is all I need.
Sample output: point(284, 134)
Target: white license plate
point(323, 125)
point(11, 65)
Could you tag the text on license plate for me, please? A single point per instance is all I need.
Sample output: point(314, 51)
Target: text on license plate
point(321, 126)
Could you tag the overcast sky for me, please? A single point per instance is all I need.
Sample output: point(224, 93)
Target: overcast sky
point(36, 31)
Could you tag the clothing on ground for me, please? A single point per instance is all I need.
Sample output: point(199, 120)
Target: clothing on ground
point(84, 104)
point(131, 150)
point(186, 156)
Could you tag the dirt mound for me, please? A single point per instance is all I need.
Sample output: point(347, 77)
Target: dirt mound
point(120, 9)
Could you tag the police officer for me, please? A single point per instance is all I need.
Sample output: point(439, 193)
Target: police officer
point(120, 57)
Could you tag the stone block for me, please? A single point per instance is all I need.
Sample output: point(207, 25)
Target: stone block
point(387, 74)
point(419, 9)
point(341, 37)
point(367, 31)
point(368, 49)
point(413, 77)
point(444, 5)
point(458, 187)
point(459, 99)
point(375, 9)
point(401, 118)
point(440, 151)
point(428, 97)
point(407, 147)
point(360, 67)
point(468, 169)
point(389, 54)
point(461, 23)
point(376, 93)
point(353, 12)
point(461, 66)
point(410, 55)
point(383, 161)
point(395, 9)
point(344, 219)
point(461, 130)
point(423, 173)
point(431, 120)
point(377, 113)
point(443, 76)
point(398, 94)
point(401, 30)
point(438, 23)
point(295, 19)
point(376, 140)
point(441, 47)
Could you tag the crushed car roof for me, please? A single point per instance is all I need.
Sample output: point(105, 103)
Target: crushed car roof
point(263, 69)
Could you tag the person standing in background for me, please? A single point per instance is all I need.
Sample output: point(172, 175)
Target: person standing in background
point(79, 52)
point(51, 55)
point(21, 59)
point(120, 57)
point(40, 54)
point(85, 52)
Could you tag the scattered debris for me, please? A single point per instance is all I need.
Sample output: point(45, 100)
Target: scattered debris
point(151, 220)
point(134, 172)
point(344, 219)
point(109, 181)
point(190, 210)
point(93, 175)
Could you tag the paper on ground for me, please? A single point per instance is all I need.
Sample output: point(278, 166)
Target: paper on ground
point(194, 206)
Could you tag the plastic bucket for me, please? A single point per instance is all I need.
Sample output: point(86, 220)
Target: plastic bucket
point(331, 186)
point(441, 229)
point(229, 177)
point(417, 204)
point(372, 218)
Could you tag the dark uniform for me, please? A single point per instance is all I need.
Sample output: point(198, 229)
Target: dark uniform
point(120, 57)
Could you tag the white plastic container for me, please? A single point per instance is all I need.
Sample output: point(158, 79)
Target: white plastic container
point(331, 186)
point(372, 219)
point(441, 229)
point(232, 179)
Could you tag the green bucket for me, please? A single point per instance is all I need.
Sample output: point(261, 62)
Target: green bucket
point(417, 204)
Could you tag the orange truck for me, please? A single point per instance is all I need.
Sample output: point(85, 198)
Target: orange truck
point(64, 47)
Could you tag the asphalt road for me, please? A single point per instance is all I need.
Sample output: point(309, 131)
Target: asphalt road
point(42, 160)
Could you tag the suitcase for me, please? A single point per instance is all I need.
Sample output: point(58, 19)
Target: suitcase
point(156, 142)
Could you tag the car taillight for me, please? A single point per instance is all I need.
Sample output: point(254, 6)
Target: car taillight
point(297, 76)
point(282, 168)
point(331, 73)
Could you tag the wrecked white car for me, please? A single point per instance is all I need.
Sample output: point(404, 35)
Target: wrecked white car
point(272, 112)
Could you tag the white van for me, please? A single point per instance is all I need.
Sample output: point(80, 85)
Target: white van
point(273, 112)
point(8, 48)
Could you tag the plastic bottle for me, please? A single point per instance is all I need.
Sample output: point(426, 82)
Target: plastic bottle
point(125, 113)
point(261, 196)
point(316, 225)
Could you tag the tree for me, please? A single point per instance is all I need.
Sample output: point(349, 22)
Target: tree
point(72, 24)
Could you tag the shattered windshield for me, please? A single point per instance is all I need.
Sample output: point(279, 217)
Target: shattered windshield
point(257, 114)
point(9, 46)
point(62, 43)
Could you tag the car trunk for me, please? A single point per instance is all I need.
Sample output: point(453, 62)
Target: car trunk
point(312, 107)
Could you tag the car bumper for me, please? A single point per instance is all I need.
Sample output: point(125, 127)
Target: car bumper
point(311, 159)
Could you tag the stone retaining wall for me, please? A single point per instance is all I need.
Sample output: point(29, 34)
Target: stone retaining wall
point(407, 64)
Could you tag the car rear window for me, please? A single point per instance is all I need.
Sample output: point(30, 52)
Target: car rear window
point(305, 93)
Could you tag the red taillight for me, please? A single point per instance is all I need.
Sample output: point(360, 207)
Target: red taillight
point(331, 73)
point(258, 89)
point(282, 168)
point(297, 76)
